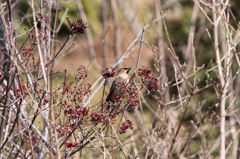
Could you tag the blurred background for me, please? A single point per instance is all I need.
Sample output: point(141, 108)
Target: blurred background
point(112, 23)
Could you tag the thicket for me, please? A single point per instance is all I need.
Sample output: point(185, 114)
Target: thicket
point(183, 104)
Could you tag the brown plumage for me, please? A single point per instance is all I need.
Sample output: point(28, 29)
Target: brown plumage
point(116, 90)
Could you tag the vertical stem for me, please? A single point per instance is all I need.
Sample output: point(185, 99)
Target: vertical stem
point(161, 56)
point(222, 82)
point(104, 86)
point(5, 58)
point(140, 50)
point(105, 39)
point(38, 43)
point(5, 63)
point(116, 30)
point(47, 51)
point(52, 49)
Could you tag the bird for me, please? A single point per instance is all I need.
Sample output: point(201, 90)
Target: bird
point(116, 90)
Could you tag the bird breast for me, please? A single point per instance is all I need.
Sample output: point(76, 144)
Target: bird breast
point(124, 77)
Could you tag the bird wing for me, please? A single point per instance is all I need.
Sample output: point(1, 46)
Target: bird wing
point(111, 92)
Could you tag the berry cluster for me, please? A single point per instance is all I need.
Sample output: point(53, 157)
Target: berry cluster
point(41, 17)
point(45, 101)
point(102, 117)
point(77, 27)
point(82, 73)
point(132, 98)
point(76, 93)
point(70, 102)
point(148, 79)
point(109, 73)
point(71, 144)
point(125, 125)
point(97, 117)
point(75, 112)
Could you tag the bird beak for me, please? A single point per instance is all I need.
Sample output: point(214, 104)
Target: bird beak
point(128, 69)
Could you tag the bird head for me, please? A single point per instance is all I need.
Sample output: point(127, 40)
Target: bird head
point(124, 70)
